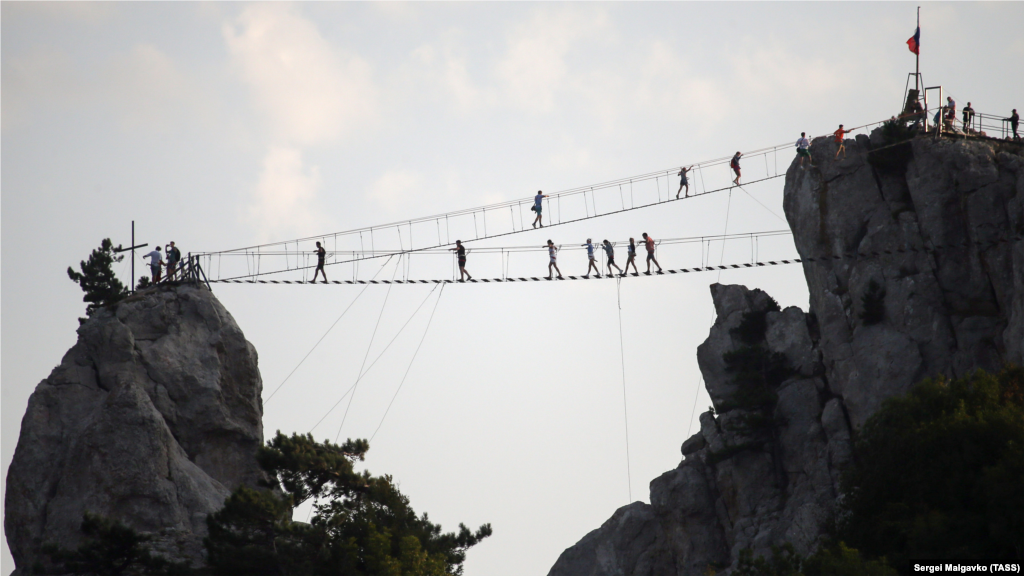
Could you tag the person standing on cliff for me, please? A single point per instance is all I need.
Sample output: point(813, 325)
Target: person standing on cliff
point(968, 116)
point(538, 205)
point(461, 251)
point(839, 140)
point(803, 150)
point(321, 255)
point(552, 259)
point(735, 165)
point(684, 182)
point(593, 262)
point(649, 243)
point(155, 261)
point(1014, 120)
point(173, 257)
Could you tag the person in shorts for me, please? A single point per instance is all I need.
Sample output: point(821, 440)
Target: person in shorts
point(631, 257)
point(684, 182)
point(321, 255)
point(552, 256)
point(803, 146)
point(649, 243)
point(155, 261)
point(839, 140)
point(735, 165)
point(460, 250)
point(173, 257)
point(609, 250)
point(593, 262)
point(538, 206)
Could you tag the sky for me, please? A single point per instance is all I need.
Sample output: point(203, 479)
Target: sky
point(221, 125)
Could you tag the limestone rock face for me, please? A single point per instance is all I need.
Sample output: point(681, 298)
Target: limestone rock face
point(946, 311)
point(152, 418)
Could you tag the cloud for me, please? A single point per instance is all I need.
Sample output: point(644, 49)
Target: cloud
point(89, 13)
point(285, 202)
point(308, 91)
point(396, 189)
point(534, 67)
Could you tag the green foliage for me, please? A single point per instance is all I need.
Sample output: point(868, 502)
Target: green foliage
point(97, 277)
point(111, 549)
point(895, 132)
point(873, 304)
point(143, 283)
point(938, 473)
point(836, 560)
point(754, 324)
point(361, 523)
point(784, 562)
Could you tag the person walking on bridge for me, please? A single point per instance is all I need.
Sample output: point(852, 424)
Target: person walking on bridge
point(839, 140)
point(735, 165)
point(609, 250)
point(649, 242)
point(552, 259)
point(593, 262)
point(968, 116)
point(538, 205)
point(460, 250)
point(155, 261)
point(684, 182)
point(631, 257)
point(803, 150)
point(321, 255)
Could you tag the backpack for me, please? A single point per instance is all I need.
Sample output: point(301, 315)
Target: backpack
point(533, 208)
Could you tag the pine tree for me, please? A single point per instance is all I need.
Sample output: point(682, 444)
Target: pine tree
point(97, 277)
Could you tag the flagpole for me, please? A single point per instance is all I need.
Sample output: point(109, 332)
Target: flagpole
point(917, 55)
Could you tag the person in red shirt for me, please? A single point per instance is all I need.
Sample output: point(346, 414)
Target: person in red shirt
point(839, 140)
point(649, 242)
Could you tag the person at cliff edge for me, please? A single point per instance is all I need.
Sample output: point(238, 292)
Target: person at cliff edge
point(839, 140)
point(321, 254)
point(735, 165)
point(1014, 120)
point(173, 257)
point(803, 150)
point(155, 261)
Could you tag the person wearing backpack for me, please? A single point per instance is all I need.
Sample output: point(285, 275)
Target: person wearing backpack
point(173, 257)
point(538, 205)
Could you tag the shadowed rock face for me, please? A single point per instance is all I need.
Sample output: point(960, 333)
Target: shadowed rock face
point(152, 418)
point(945, 312)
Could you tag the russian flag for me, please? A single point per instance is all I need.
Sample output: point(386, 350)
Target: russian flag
point(915, 42)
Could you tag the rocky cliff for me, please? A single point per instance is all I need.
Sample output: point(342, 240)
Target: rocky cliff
point(152, 418)
point(914, 267)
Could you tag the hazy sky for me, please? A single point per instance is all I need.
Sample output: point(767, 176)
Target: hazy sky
point(222, 125)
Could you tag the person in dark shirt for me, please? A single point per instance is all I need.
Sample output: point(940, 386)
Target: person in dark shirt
point(968, 115)
point(684, 182)
point(173, 257)
point(460, 250)
point(1014, 120)
point(321, 255)
point(735, 165)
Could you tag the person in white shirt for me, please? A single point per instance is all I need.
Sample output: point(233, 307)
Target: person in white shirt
point(155, 261)
point(552, 254)
point(802, 150)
